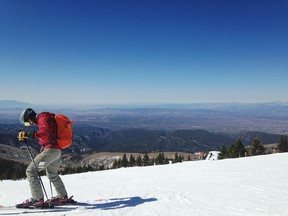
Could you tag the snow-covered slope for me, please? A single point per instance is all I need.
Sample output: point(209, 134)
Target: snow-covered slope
point(255, 186)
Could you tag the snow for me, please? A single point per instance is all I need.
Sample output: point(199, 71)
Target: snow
point(253, 186)
point(213, 155)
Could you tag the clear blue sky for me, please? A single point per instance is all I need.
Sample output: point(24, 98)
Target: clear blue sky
point(143, 51)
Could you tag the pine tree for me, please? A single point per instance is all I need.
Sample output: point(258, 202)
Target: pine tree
point(132, 160)
point(223, 152)
point(160, 159)
point(124, 161)
point(115, 164)
point(146, 160)
point(233, 151)
point(240, 148)
point(119, 163)
point(102, 167)
point(283, 144)
point(176, 158)
point(166, 161)
point(79, 169)
point(257, 148)
point(163, 158)
point(181, 158)
point(139, 161)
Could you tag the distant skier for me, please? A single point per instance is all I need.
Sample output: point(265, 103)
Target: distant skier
point(48, 159)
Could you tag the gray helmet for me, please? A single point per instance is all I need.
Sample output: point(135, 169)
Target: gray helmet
point(28, 114)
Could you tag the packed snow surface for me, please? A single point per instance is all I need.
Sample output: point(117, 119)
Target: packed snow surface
point(253, 186)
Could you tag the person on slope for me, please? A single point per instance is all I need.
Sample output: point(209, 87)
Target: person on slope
point(48, 159)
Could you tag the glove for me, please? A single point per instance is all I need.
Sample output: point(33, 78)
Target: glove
point(22, 136)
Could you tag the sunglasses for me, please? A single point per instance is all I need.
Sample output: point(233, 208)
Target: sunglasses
point(27, 124)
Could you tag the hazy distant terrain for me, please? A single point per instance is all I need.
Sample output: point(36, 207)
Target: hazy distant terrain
point(270, 118)
point(226, 117)
point(186, 128)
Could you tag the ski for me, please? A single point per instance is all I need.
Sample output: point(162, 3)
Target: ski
point(11, 210)
point(72, 206)
point(45, 206)
point(6, 207)
point(49, 204)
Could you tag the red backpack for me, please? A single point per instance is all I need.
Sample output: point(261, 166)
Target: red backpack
point(64, 131)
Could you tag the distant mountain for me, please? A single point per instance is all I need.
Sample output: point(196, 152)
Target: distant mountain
point(89, 138)
point(13, 104)
point(143, 140)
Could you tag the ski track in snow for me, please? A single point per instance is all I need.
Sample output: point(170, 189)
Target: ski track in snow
point(253, 186)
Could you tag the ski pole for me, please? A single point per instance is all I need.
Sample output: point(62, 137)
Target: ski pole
point(41, 182)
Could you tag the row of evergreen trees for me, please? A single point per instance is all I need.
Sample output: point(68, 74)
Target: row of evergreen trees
point(238, 149)
point(145, 160)
point(11, 169)
point(15, 170)
point(80, 169)
point(126, 162)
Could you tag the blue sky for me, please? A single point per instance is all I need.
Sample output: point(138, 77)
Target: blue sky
point(143, 51)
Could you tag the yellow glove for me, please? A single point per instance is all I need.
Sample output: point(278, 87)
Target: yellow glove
point(22, 136)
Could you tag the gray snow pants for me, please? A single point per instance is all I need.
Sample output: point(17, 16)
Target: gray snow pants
point(48, 159)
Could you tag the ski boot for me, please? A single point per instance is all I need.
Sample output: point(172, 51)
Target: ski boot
point(33, 203)
point(56, 201)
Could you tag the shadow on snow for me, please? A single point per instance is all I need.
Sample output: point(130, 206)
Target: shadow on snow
point(117, 203)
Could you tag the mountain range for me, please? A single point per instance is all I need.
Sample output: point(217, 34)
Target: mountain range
point(90, 138)
point(216, 117)
point(161, 128)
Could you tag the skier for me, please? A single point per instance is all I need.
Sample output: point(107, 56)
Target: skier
point(48, 159)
